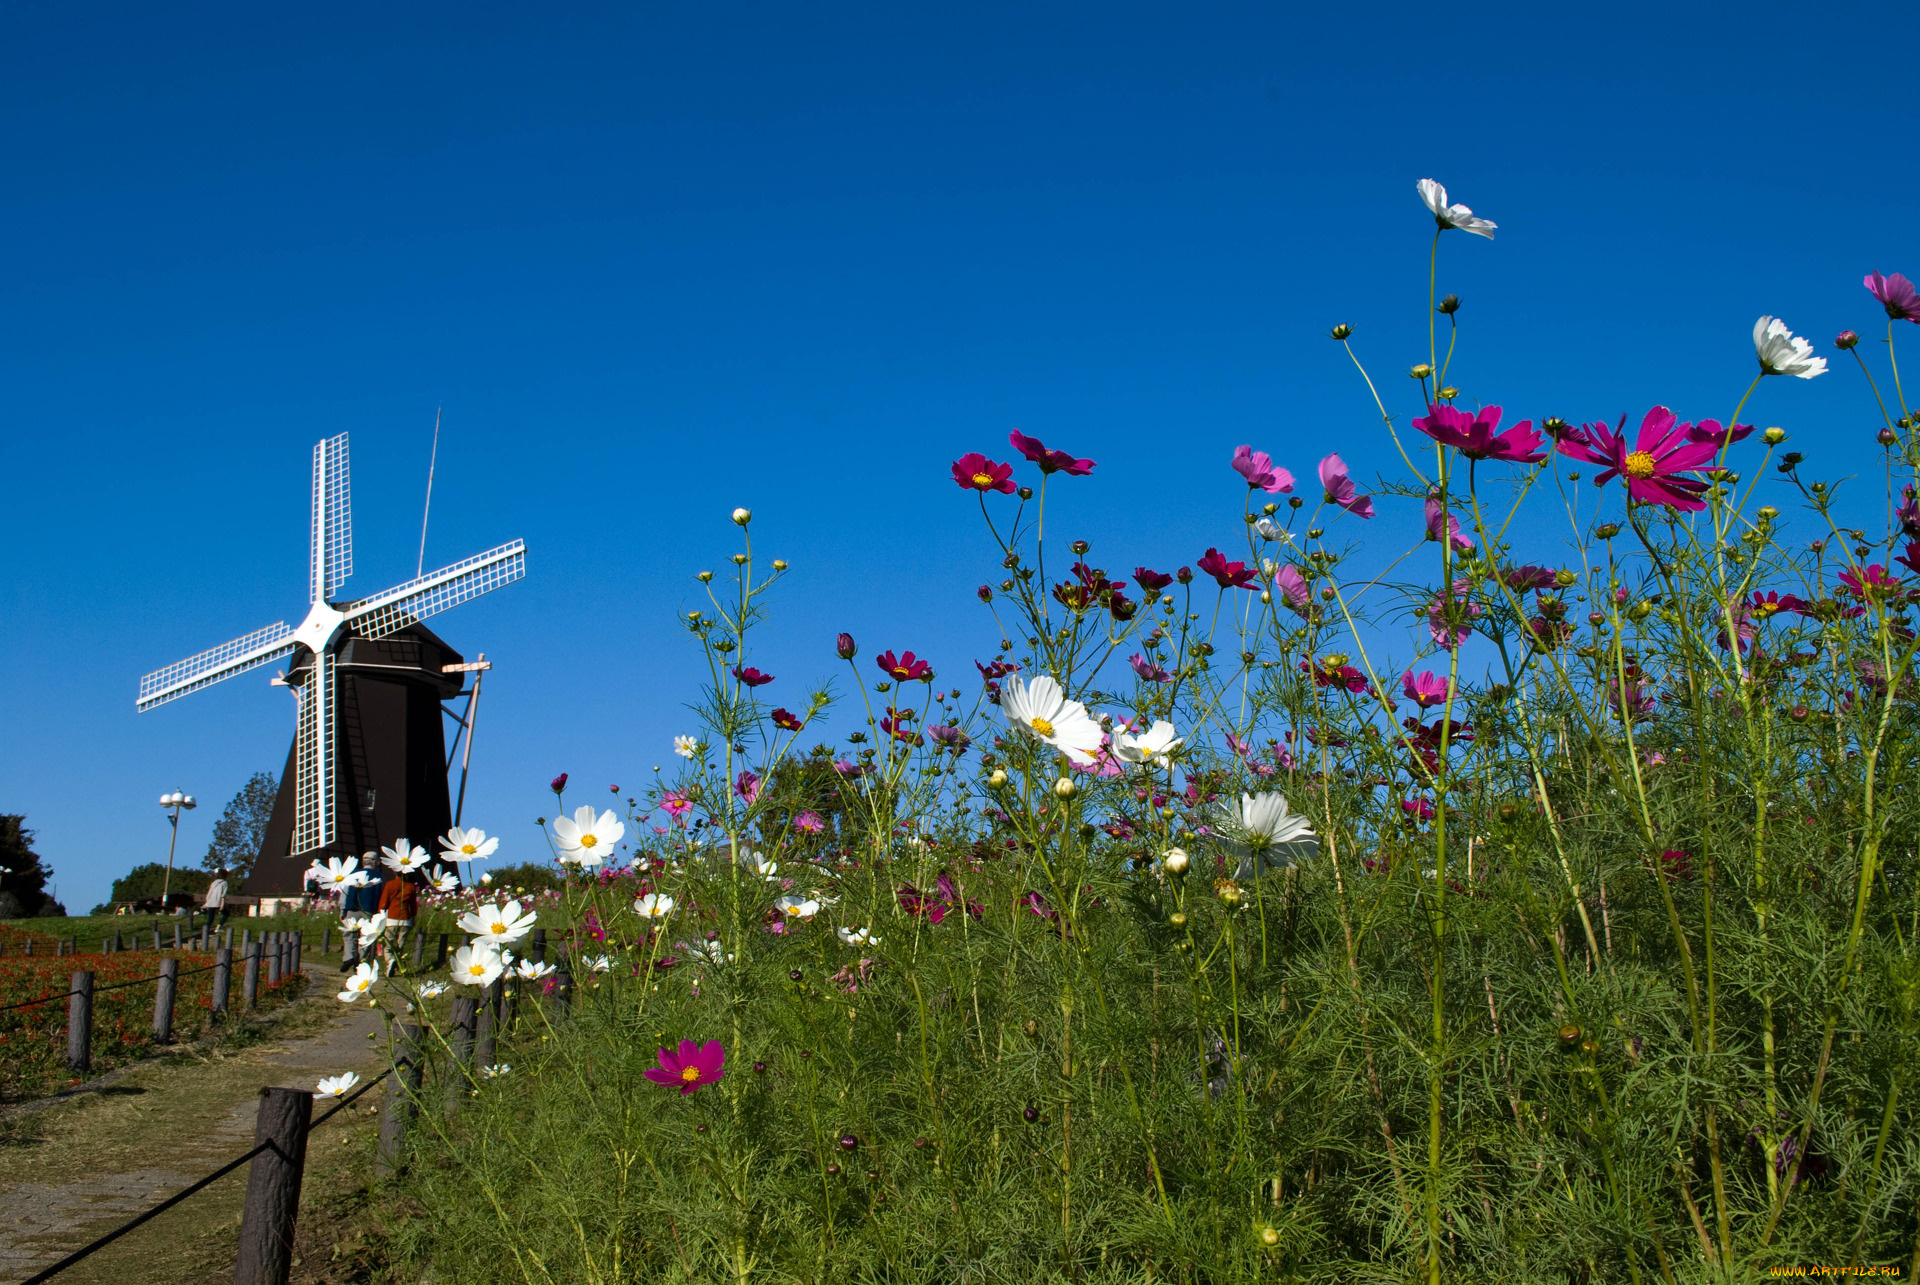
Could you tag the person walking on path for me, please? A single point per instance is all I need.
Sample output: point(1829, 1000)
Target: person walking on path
point(216, 901)
point(400, 902)
point(357, 905)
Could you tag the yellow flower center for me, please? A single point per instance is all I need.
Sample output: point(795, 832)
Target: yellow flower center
point(499, 929)
point(476, 970)
point(469, 848)
point(1639, 464)
point(983, 480)
point(689, 1073)
point(588, 840)
point(1765, 610)
point(1042, 726)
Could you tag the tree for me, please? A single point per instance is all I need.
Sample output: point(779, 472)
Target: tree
point(21, 874)
point(146, 881)
point(238, 832)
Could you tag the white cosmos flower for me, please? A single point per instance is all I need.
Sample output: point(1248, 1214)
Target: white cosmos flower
point(798, 907)
point(858, 937)
point(431, 990)
point(587, 838)
point(599, 963)
point(339, 874)
point(1042, 710)
point(1262, 833)
point(1155, 745)
point(1782, 352)
point(336, 1086)
point(404, 857)
point(1452, 216)
point(653, 906)
point(486, 878)
point(468, 845)
point(498, 925)
point(495, 1071)
point(360, 984)
point(686, 746)
point(477, 965)
point(372, 926)
point(533, 970)
point(711, 952)
point(1271, 530)
point(758, 863)
point(446, 881)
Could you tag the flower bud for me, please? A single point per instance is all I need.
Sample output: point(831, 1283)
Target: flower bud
point(1422, 371)
point(1448, 393)
point(742, 516)
point(1569, 1035)
point(779, 564)
point(1768, 513)
point(1640, 610)
point(1449, 305)
point(1341, 333)
point(1295, 502)
point(1064, 788)
point(1176, 860)
point(848, 1142)
point(998, 779)
point(1269, 509)
point(985, 593)
point(1184, 575)
point(1268, 1236)
point(1800, 713)
point(1565, 578)
point(558, 784)
point(1845, 340)
point(1080, 547)
point(794, 974)
point(704, 577)
point(693, 616)
point(739, 559)
point(845, 648)
point(1026, 493)
point(1886, 437)
point(1605, 531)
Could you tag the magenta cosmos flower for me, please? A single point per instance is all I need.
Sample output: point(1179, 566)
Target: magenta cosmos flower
point(1425, 690)
point(1151, 582)
point(1228, 575)
point(904, 668)
point(1340, 490)
point(1435, 512)
point(1896, 295)
point(1049, 461)
point(694, 1066)
point(975, 472)
point(1261, 472)
point(1293, 588)
point(1148, 670)
point(785, 721)
point(751, 676)
point(1709, 430)
point(1652, 468)
point(809, 821)
point(1477, 436)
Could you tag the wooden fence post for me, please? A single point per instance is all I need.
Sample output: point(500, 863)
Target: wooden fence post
point(563, 991)
point(440, 953)
point(349, 947)
point(222, 977)
point(402, 1092)
point(273, 1188)
point(487, 1031)
point(466, 1016)
point(272, 950)
point(537, 945)
point(298, 942)
point(250, 976)
point(176, 934)
point(163, 1000)
point(326, 939)
point(419, 949)
point(80, 1023)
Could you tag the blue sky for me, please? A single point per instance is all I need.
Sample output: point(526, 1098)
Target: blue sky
point(656, 261)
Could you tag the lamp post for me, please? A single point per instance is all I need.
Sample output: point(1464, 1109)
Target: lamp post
point(174, 802)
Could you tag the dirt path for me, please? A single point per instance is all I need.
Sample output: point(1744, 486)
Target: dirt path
point(77, 1169)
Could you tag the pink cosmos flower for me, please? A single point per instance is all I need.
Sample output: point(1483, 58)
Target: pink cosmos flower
point(1147, 670)
point(809, 821)
point(1049, 461)
point(975, 472)
point(559, 784)
point(1908, 515)
point(1293, 588)
point(1426, 691)
point(1638, 696)
point(905, 667)
point(1333, 671)
point(1475, 436)
point(1150, 582)
point(1709, 430)
point(1896, 295)
point(1521, 579)
point(1765, 605)
point(950, 738)
point(747, 786)
point(1228, 575)
point(1261, 473)
point(786, 721)
point(1340, 490)
point(1450, 617)
point(1417, 810)
point(1911, 558)
point(694, 1066)
point(1652, 468)
point(751, 676)
point(1872, 582)
point(677, 804)
point(1461, 543)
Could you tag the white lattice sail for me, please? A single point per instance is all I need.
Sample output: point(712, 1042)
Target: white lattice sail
point(313, 758)
point(433, 593)
point(224, 661)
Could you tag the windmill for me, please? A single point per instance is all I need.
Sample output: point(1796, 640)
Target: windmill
point(368, 761)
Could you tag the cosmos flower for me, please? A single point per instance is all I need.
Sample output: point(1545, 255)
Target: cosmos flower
point(432, 990)
point(653, 906)
point(496, 925)
point(468, 845)
point(692, 1067)
point(1148, 670)
point(747, 786)
point(360, 984)
point(686, 746)
point(404, 857)
point(371, 927)
point(758, 863)
point(533, 970)
point(496, 1070)
point(796, 907)
point(1155, 745)
point(477, 965)
point(1228, 575)
point(336, 1086)
point(1781, 352)
point(1435, 513)
point(1042, 710)
point(858, 937)
point(587, 838)
point(598, 963)
point(751, 676)
point(1258, 468)
point(1049, 461)
point(904, 668)
point(1263, 833)
point(1896, 295)
point(1333, 671)
point(1709, 430)
point(809, 821)
point(676, 804)
point(339, 874)
point(1293, 589)
point(1450, 616)
point(1477, 436)
point(1150, 582)
point(1452, 216)
point(975, 472)
point(950, 738)
point(1871, 582)
point(1339, 488)
point(1652, 469)
point(445, 881)
point(1426, 691)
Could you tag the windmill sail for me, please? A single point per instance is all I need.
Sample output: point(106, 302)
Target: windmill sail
point(405, 604)
point(331, 537)
point(313, 757)
point(209, 667)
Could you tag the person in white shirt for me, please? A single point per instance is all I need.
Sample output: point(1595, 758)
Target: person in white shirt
point(216, 902)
